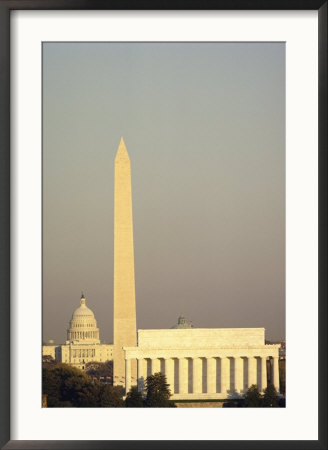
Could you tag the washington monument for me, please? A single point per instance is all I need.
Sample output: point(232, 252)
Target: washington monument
point(125, 322)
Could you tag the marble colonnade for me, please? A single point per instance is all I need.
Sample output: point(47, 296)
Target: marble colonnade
point(204, 363)
point(211, 376)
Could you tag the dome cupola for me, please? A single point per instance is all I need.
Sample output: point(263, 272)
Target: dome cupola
point(183, 323)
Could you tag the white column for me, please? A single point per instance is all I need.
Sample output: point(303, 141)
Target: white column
point(225, 375)
point(211, 375)
point(169, 373)
point(141, 374)
point(239, 375)
point(251, 371)
point(127, 375)
point(155, 365)
point(197, 376)
point(263, 373)
point(276, 372)
point(183, 376)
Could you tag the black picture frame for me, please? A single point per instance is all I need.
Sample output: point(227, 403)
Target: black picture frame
point(6, 6)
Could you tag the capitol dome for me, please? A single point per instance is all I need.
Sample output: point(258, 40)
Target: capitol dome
point(83, 325)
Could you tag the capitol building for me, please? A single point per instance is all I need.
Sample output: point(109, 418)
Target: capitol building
point(83, 342)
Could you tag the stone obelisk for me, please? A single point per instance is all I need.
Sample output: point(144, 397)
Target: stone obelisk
point(125, 323)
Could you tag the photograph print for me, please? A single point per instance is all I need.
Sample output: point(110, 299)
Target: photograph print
point(163, 224)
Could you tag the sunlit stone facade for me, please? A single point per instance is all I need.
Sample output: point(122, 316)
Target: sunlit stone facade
point(205, 363)
point(83, 342)
point(125, 321)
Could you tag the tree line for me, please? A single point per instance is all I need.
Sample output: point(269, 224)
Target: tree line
point(67, 386)
point(254, 399)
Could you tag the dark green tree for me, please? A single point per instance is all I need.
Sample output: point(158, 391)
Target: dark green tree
point(48, 361)
point(68, 386)
point(252, 397)
point(51, 385)
point(134, 398)
point(158, 392)
point(99, 369)
point(110, 396)
point(270, 398)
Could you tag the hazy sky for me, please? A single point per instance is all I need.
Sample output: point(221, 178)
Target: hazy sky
point(204, 125)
